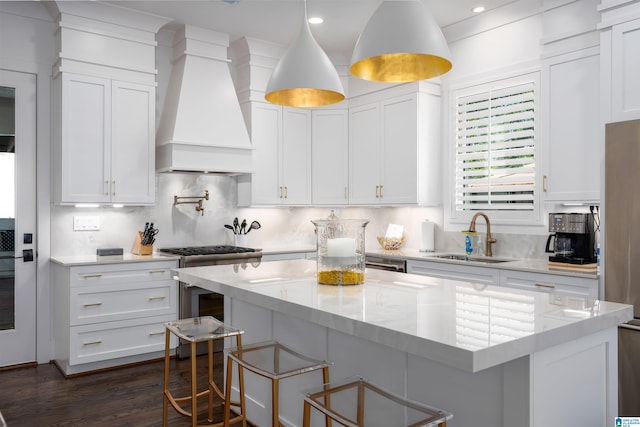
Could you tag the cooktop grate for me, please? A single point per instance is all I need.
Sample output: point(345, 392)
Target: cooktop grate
point(207, 250)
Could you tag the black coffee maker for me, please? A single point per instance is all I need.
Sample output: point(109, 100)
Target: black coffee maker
point(574, 238)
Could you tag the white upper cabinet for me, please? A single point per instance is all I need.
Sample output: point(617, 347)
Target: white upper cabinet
point(573, 139)
point(394, 151)
point(295, 154)
point(104, 149)
point(281, 139)
point(625, 69)
point(365, 154)
point(104, 97)
point(330, 157)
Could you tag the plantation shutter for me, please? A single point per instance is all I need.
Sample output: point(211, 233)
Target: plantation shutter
point(495, 149)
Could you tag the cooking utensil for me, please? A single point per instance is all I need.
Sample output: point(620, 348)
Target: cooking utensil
point(254, 226)
point(236, 226)
point(243, 226)
point(230, 228)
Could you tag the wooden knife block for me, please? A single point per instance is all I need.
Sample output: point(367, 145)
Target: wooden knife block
point(139, 248)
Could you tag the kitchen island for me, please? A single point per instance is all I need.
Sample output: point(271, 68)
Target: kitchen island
point(491, 356)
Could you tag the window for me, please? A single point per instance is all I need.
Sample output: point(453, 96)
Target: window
point(495, 150)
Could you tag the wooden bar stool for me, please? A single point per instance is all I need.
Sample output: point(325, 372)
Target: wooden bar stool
point(196, 330)
point(275, 362)
point(357, 403)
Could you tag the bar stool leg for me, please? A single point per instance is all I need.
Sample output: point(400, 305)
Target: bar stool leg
point(227, 394)
point(165, 390)
point(194, 386)
point(306, 415)
point(327, 399)
point(210, 379)
point(241, 386)
point(275, 389)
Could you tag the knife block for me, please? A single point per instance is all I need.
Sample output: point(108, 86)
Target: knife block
point(139, 248)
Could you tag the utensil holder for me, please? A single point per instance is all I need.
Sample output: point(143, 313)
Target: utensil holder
point(240, 240)
point(140, 249)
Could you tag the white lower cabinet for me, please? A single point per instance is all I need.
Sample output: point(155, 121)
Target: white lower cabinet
point(552, 283)
point(485, 275)
point(112, 314)
point(560, 285)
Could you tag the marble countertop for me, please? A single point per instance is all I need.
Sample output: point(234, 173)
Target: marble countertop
point(460, 324)
point(531, 265)
point(77, 260)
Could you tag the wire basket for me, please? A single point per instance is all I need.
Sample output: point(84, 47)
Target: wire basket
point(390, 243)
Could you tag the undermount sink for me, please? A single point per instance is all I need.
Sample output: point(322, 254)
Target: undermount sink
point(466, 258)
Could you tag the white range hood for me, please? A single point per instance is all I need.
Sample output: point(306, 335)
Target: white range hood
point(201, 127)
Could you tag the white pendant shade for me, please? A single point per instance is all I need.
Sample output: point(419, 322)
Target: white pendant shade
point(304, 76)
point(402, 42)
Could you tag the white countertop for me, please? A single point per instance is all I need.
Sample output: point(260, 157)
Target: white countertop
point(464, 325)
point(531, 265)
point(77, 260)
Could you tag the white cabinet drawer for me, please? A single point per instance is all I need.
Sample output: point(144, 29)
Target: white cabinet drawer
point(92, 304)
point(485, 275)
point(550, 283)
point(114, 274)
point(93, 343)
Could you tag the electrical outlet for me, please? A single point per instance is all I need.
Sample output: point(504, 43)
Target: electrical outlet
point(86, 223)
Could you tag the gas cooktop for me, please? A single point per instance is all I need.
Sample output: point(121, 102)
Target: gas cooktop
point(207, 250)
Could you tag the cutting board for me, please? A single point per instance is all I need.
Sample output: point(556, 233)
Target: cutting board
point(587, 268)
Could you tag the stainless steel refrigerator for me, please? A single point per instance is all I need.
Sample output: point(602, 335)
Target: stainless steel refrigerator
point(621, 215)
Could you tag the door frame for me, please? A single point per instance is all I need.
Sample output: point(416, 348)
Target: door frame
point(22, 339)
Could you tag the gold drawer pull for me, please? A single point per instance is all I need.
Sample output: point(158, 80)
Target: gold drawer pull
point(93, 304)
point(92, 342)
point(542, 285)
point(157, 271)
point(156, 298)
point(91, 276)
point(152, 334)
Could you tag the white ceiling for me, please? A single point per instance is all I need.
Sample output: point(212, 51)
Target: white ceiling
point(279, 20)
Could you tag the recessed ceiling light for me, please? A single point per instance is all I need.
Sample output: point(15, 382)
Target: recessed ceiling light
point(478, 9)
point(316, 20)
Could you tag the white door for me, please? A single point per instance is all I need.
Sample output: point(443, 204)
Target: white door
point(17, 218)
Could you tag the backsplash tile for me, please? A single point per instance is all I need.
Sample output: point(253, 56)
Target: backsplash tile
point(282, 227)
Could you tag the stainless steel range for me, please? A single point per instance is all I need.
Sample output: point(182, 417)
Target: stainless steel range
point(194, 301)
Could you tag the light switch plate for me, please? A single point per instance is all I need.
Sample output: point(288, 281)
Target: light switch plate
point(86, 223)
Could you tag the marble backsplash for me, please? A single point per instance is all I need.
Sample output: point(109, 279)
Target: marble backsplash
point(282, 227)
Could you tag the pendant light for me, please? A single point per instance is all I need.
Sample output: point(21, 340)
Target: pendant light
point(402, 42)
point(304, 76)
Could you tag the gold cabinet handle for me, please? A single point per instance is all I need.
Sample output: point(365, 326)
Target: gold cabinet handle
point(280, 192)
point(381, 195)
point(106, 188)
point(377, 191)
point(92, 276)
point(92, 304)
point(153, 334)
point(92, 342)
point(157, 271)
point(114, 188)
point(156, 298)
point(544, 183)
point(542, 285)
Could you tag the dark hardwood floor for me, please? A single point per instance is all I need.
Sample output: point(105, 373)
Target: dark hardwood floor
point(131, 396)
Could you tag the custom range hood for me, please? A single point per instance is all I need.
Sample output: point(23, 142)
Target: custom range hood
point(201, 127)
